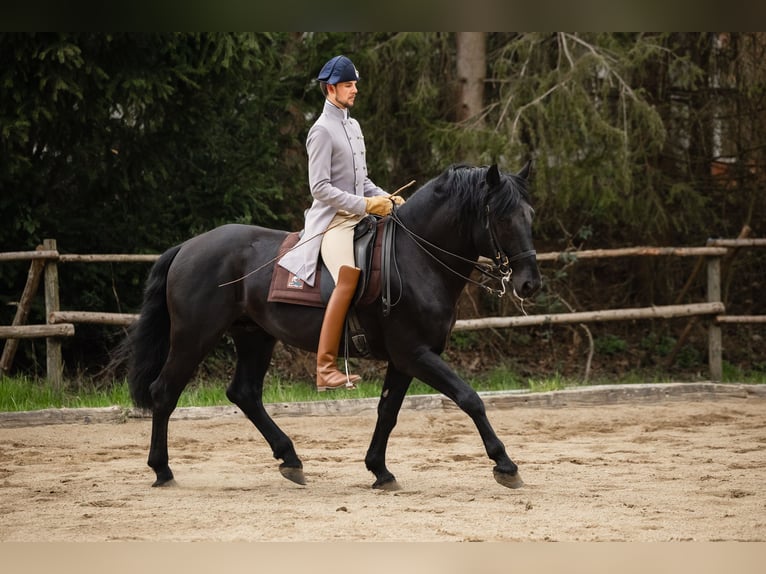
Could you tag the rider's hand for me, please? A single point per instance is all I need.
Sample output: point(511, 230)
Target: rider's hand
point(397, 199)
point(378, 205)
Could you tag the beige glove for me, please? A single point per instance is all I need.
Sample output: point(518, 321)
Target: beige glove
point(378, 205)
point(397, 199)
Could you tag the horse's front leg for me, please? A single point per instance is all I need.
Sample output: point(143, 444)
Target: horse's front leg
point(394, 389)
point(431, 369)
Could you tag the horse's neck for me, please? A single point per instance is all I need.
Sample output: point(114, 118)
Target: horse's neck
point(443, 245)
point(443, 225)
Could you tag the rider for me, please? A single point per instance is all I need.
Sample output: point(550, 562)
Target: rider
point(343, 193)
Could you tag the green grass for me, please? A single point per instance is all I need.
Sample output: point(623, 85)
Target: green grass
point(22, 393)
point(25, 394)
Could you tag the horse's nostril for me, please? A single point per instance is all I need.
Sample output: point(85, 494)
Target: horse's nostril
point(530, 288)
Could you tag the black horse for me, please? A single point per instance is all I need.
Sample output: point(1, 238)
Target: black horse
point(191, 301)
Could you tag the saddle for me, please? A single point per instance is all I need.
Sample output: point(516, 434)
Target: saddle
point(373, 237)
point(287, 288)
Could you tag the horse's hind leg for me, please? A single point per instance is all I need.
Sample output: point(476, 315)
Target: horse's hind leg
point(158, 451)
point(166, 390)
point(187, 349)
point(254, 350)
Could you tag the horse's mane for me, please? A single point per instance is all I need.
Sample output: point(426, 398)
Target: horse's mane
point(465, 186)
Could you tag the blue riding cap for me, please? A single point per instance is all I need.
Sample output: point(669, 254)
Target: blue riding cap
point(338, 69)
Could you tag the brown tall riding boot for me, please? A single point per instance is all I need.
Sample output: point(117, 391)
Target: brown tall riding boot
point(328, 375)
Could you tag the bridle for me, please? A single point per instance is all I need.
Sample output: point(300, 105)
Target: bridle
point(499, 271)
point(502, 263)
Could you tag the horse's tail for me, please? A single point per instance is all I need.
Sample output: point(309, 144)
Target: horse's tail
point(148, 340)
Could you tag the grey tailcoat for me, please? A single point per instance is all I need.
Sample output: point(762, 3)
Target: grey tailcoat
point(338, 181)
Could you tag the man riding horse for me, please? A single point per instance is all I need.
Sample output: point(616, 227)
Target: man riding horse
point(343, 193)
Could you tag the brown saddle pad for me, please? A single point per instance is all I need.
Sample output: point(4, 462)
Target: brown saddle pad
point(287, 288)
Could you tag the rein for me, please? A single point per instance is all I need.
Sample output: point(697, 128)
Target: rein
point(500, 270)
point(300, 243)
point(279, 256)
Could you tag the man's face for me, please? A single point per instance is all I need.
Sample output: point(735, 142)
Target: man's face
point(343, 94)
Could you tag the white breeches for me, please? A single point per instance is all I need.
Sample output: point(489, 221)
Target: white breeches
point(338, 242)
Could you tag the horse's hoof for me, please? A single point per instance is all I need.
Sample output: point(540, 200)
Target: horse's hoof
point(164, 477)
point(294, 474)
point(508, 480)
point(388, 485)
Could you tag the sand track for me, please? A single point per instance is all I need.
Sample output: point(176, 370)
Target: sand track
point(666, 470)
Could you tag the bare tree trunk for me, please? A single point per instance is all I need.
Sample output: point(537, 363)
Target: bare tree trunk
point(471, 73)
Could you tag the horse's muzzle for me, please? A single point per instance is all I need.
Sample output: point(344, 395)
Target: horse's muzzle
point(526, 284)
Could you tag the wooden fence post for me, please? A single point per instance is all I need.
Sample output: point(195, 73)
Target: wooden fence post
point(22, 311)
point(715, 360)
point(54, 363)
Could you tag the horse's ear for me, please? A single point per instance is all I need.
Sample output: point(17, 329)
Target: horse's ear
point(524, 173)
point(493, 176)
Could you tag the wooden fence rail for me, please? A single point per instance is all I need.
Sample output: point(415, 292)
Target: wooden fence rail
point(61, 323)
point(663, 312)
